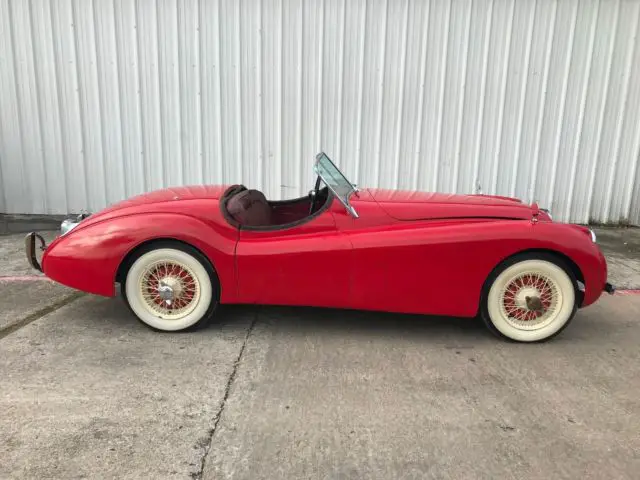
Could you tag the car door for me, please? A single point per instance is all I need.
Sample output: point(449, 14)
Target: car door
point(428, 267)
point(306, 264)
point(399, 266)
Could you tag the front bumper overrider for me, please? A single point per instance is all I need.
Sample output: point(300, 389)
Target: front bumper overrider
point(30, 240)
point(30, 249)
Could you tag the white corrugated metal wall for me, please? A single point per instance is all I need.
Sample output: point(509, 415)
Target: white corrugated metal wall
point(103, 99)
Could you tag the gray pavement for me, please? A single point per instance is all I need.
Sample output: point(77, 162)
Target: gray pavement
point(12, 254)
point(355, 395)
point(621, 246)
point(28, 298)
point(88, 392)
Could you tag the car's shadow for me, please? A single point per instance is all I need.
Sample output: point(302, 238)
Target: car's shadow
point(452, 332)
point(310, 320)
point(304, 321)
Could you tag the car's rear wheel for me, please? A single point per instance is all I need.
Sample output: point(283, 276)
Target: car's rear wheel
point(529, 298)
point(171, 287)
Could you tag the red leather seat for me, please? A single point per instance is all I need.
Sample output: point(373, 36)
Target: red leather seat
point(250, 207)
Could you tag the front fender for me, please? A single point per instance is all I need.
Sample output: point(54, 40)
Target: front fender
point(570, 241)
point(574, 241)
point(87, 258)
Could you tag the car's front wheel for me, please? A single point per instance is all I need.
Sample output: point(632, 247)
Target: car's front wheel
point(529, 298)
point(171, 287)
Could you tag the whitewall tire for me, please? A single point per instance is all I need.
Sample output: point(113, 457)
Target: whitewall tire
point(530, 298)
point(170, 287)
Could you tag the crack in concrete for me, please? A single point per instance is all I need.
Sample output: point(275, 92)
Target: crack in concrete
point(216, 420)
point(39, 314)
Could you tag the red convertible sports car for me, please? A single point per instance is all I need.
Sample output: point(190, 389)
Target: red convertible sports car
point(179, 252)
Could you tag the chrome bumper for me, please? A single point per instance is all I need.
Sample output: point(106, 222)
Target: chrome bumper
point(30, 249)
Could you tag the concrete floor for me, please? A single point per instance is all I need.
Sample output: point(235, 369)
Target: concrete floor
point(88, 392)
point(621, 246)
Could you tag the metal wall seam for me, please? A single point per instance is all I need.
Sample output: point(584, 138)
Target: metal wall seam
point(320, 78)
point(629, 138)
point(605, 92)
point(522, 98)
point(483, 98)
point(543, 102)
point(503, 99)
point(128, 84)
point(39, 71)
point(108, 86)
point(56, 97)
point(400, 107)
point(278, 151)
point(20, 109)
point(423, 71)
point(3, 201)
point(461, 101)
point(623, 105)
point(341, 53)
point(563, 104)
point(443, 89)
point(632, 185)
point(383, 54)
point(581, 115)
point(12, 186)
point(634, 216)
point(260, 100)
point(299, 116)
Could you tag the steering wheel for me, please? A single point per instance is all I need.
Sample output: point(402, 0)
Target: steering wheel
point(312, 195)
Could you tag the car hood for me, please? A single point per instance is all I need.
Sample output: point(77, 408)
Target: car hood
point(414, 205)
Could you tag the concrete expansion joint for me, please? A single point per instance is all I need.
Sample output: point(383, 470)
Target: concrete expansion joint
point(39, 314)
point(216, 420)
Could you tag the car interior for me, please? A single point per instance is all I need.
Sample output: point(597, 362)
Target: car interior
point(249, 208)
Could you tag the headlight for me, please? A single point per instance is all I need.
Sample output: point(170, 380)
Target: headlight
point(593, 236)
point(67, 226)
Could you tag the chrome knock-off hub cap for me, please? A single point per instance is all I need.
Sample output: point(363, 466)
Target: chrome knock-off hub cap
point(530, 301)
point(169, 289)
point(520, 298)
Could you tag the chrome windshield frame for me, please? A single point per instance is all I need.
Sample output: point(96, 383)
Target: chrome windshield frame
point(322, 170)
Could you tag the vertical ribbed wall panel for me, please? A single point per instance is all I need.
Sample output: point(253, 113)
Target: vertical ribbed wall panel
point(539, 99)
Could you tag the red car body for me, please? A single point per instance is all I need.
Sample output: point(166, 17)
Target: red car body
point(407, 252)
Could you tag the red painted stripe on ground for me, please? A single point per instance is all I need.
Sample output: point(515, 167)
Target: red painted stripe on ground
point(628, 292)
point(23, 278)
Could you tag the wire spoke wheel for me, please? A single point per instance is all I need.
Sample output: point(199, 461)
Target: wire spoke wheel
point(171, 287)
point(530, 298)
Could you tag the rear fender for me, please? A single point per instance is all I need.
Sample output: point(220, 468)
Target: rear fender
point(88, 258)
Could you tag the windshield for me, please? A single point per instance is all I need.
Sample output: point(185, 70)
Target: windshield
point(335, 180)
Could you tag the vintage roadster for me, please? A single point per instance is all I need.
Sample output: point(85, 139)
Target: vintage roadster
point(179, 252)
